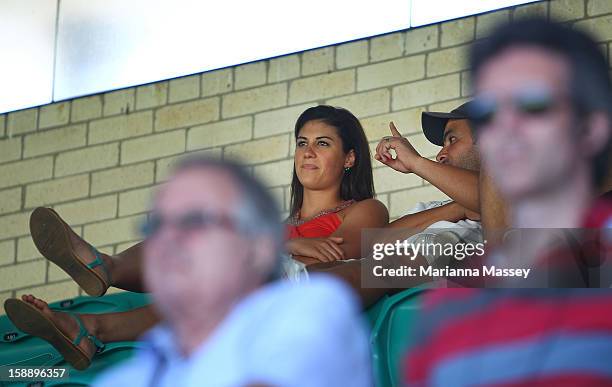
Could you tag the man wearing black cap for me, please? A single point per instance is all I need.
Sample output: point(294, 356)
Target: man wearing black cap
point(434, 123)
point(455, 173)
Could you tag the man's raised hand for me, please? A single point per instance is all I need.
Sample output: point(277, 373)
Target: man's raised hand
point(406, 155)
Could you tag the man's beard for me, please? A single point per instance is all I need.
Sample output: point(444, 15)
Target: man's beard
point(470, 161)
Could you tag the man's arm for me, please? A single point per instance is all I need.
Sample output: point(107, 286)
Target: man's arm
point(495, 215)
point(419, 221)
point(461, 185)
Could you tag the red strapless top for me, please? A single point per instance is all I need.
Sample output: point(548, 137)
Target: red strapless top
point(320, 227)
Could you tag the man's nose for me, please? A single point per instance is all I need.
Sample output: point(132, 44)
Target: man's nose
point(442, 156)
point(166, 233)
point(506, 120)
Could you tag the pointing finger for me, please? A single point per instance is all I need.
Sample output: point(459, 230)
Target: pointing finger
point(394, 130)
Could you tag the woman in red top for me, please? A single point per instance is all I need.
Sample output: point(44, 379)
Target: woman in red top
point(331, 201)
point(332, 187)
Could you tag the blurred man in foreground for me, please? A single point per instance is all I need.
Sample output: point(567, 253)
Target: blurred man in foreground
point(213, 245)
point(542, 113)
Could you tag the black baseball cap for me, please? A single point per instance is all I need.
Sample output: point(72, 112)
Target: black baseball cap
point(434, 122)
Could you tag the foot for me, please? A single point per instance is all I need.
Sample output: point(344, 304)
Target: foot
point(86, 254)
point(65, 323)
point(57, 242)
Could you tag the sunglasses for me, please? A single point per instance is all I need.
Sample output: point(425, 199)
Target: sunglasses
point(188, 222)
point(529, 102)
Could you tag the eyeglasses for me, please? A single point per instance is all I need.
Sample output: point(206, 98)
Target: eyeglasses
point(188, 222)
point(528, 102)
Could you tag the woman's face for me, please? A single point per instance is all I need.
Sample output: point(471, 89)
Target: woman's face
point(319, 157)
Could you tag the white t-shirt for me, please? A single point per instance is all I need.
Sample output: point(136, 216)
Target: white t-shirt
point(285, 334)
point(466, 229)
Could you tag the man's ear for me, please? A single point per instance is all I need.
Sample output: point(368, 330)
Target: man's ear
point(596, 134)
point(349, 160)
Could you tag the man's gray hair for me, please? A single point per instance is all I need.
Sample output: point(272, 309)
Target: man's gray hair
point(257, 212)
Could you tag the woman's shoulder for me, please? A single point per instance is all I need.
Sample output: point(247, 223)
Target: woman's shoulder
point(367, 206)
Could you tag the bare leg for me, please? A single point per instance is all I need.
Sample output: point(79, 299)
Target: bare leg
point(62, 329)
point(121, 326)
point(107, 327)
point(126, 269)
point(92, 270)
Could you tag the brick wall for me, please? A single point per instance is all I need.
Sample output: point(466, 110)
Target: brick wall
point(97, 159)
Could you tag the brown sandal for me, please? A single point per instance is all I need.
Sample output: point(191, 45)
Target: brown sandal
point(32, 321)
point(52, 237)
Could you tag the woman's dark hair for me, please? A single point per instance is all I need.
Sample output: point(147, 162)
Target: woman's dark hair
point(357, 183)
point(590, 84)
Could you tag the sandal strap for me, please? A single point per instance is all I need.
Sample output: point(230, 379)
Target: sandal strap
point(99, 262)
point(83, 333)
point(99, 345)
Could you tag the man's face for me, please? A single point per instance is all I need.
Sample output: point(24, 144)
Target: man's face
point(459, 150)
point(527, 152)
point(206, 266)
